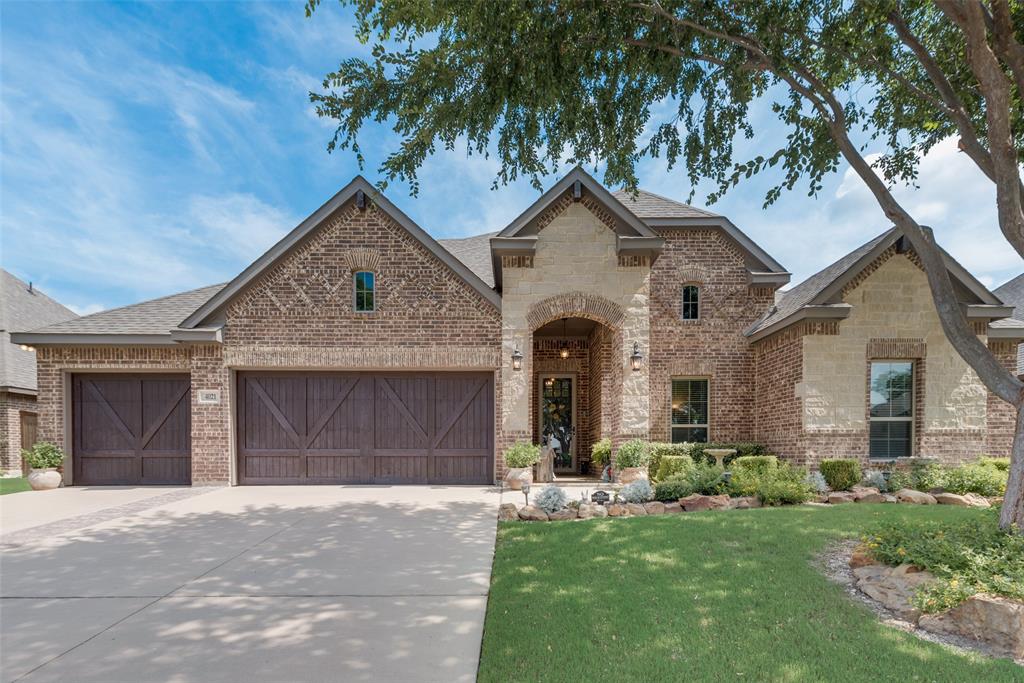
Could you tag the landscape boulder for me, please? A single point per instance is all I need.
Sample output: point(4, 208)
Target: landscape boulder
point(617, 510)
point(673, 507)
point(871, 498)
point(508, 512)
point(839, 497)
point(636, 509)
point(915, 497)
point(746, 502)
point(893, 587)
point(562, 515)
point(697, 502)
point(996, 621)
point(532, 513)
point(654, 508)
point(951, 499)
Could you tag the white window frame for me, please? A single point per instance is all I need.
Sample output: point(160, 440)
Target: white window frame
point(355, 291)
point(913, 408)
point(682, 301)
point(672, 425)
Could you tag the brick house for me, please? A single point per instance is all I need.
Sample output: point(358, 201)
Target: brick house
point(360, 349)
point(22, 306)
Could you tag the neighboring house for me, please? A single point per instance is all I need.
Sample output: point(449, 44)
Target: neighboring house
point(360, 349)
point(22, 307)
point(1011, 293)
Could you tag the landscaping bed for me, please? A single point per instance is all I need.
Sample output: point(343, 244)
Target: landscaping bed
point(703, 596)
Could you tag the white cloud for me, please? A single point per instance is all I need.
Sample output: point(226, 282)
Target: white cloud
point(87, 309)
point(241, 225)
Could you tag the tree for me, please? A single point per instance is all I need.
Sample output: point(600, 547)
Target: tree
point(578, 80)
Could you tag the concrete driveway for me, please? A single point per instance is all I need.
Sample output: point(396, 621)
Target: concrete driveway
point(245, 584)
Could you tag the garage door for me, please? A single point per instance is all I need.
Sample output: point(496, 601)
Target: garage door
point(131, 429)
point(380, 428)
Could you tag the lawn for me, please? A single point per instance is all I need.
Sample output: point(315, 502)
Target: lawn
point(713, 596)
point(13, 485)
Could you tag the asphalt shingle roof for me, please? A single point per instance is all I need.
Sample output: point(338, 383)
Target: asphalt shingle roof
point(1012, 294)
point(21, 309)
point(805, 292)
point(475, 253)
point(649, 205)
point(156, 316)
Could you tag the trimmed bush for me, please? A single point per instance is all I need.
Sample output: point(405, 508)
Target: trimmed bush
point(784, 485)
point(43, 455)
point(673, 465)
point(601, 452)
point(673, 488)
point(633, 453)
point(522, 454)
point(1002, 464)
point(551, 499)
point(759, 463)
point(638, 491)
point(926, 474)
point(661, 450)
point(981, 479)
point(707, 480)
point(842, 474)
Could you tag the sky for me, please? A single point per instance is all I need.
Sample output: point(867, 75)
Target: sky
point(147, 149)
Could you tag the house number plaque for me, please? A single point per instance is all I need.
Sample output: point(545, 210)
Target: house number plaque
point(600, 497)
point(209, 396)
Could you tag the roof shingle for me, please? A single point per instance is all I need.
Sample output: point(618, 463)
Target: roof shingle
point(475, 253)
point(649, 205)
point(20, 309)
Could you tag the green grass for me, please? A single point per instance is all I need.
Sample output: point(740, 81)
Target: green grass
point(13, 485)
point(714, 596)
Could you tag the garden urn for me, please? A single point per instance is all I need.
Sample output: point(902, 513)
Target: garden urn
point(517, 475)
point(630, 474)
point(45, 479)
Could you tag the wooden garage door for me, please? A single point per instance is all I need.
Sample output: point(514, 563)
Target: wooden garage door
point(131, 429)
point(381, 428)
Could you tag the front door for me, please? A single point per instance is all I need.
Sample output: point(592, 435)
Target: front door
point(557, 416)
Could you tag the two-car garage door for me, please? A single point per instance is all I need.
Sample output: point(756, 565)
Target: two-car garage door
point(372, 428)
point(292, 428)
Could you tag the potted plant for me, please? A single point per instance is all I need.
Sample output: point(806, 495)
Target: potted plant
point(632, 459)
point(44, 459)
point(520, 458)
point(601, 455)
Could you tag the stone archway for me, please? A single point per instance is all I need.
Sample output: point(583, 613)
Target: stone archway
point(576, 305)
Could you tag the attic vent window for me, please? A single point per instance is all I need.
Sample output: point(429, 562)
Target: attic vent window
point(577, 191)
point(360, 200)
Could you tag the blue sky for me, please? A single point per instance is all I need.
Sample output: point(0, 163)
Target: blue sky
point(153, 148)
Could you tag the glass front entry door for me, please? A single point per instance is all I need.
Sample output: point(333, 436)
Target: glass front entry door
point(557, 413)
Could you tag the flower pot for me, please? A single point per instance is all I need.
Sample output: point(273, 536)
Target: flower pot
point(628, 474)
point(44, 480)
point(517, 475)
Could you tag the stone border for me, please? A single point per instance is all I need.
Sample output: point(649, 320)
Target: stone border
point(510, 512)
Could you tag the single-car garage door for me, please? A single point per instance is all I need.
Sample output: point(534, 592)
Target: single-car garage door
point(131, 429)
point(368, 428)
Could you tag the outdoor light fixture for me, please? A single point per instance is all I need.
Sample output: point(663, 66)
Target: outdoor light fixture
point(526, 491)
point(26, 347)
point(636, 358)
point(517, 359)
point(563, 352)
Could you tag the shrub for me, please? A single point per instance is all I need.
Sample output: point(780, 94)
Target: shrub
point(551, 499)
point(875, 478)
point(707, 479)
point(672, 465)
point(981, 479)
point(522, 454)
point(926, 474)
point(816, 482)
point(601, 452)
point(1002, 464)
point(43, 455)
point(898, 479)
point(638, 491)
point(759, 463)
point(633, 453)
point(661, 450)
point(784, 486)
point(841, 473)
point(673, 488)
point(968, 557)
point(745, 480)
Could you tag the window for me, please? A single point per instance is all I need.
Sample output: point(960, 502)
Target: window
point(892, 409)
point(689, 410)
point(364, 292)
point(691, 302)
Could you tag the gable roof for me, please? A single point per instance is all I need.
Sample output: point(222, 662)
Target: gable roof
point(147, 322)
point(817, 296)
point(646, 204)
point(22, 307)
point(1011, 293)
point(475, 252)
point(207, 312)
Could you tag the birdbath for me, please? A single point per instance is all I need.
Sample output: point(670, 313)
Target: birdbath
point(720, 454)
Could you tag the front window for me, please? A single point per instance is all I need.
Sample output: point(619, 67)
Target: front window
point(691, 302)
point(364, 292)
point(689, 410)
point(892, 409)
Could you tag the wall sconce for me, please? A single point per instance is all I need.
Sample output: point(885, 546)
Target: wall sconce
point(636, 358)
point(517, 359)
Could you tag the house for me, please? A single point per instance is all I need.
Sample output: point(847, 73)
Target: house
point(1012, 294)
point(22, 307)
point(360, 349)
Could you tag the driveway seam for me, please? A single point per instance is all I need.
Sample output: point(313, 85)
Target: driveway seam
point(153, 602)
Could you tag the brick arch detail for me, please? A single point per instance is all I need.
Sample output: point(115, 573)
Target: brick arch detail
point(576, 305)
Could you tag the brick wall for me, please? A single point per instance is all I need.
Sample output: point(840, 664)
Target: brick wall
point(11, 408)
point(778, 371)
point(712, 346)
point(1001, 416)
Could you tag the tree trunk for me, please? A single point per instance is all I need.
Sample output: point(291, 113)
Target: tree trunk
point(1012, 513)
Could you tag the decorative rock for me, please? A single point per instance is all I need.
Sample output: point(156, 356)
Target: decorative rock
point(839, 497)
point(951, 499)
point(977, 501)
point(586, 510)
point(861, 557)
point(861, 491)
point(997, 622)
point(746, 502)
point(617, 510)
point(671, 508)
point(889, 498)
point(532, 513)
point(893, 587)
point(915, 497)
point(870, 498)
point(562, 515)
point(508, 512)
point(599, 511)
point(636, 509)
point(654, 508)
point(697, 502)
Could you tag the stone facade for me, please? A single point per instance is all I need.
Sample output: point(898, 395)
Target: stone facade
point(12, 405)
